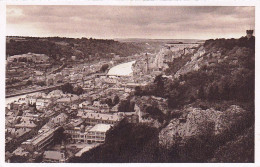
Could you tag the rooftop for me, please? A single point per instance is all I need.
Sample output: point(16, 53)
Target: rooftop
point(100, 128)
point(42, 136)
point(56, 155)
point(112, 117)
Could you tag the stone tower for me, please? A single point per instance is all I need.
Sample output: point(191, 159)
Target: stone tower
point(249, 33)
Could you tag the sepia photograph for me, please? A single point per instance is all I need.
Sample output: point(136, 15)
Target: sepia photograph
point(129, 84)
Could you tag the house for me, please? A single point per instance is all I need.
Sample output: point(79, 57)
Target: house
point(97, 134)
point(74, 107)
point(16, 105)
point(59, 119)
point(85, 104)
point(31, 115)
point(68, 99)
point(22, 100)
point(20, 134)
point(55, 94)
point(64, 101)
point(20, 152)
point(115, 108)
point(55, 156)
point(26, 122)
point(58, 78)
point(81, 112)
point(101, 107)
point(42, 103)
point(31, 99)
point(49, 113)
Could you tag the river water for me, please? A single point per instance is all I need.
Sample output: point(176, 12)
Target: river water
point(15, 98)
point(124, 69)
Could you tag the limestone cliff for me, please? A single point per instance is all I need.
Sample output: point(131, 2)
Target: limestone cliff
point(196, 121)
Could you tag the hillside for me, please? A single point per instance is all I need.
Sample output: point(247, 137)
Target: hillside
point(204, 114)
point(57, 47)
point(211, 89)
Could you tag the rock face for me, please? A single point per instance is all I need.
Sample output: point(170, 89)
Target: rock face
point(195, 63)
point(165, 55)
point(196, 121)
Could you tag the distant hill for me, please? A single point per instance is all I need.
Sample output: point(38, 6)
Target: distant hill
point(57, 47)
point(157, 40)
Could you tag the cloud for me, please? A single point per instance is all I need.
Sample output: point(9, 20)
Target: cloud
point(130, 21)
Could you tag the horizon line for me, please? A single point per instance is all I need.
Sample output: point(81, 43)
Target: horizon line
point(118, 38)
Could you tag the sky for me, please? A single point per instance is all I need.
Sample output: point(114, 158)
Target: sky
point(109, 22)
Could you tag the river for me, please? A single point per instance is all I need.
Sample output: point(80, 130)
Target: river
point(15, 98)
point(124, 69)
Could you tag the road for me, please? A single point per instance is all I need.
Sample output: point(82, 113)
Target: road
point(35, 90)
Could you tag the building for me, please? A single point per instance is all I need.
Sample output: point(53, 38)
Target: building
point(68, 99)
point(19, 134)
point(40, 141)
point(249, 33)
point(100, 118)
point(54, 157)
point(85, 104)
point(78, 134)
point(32, 98)
point(59, 119)
point(97, 134)
point(55, 94)
point(20, 152)
point(26, 123)
point(42, 103)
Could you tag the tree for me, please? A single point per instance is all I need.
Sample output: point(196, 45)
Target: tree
point(109, 102)
point(78, 90)
point(116, 100)
point(29, 82)
point(201, 94)
point(138, 91)
point(104, 68)
point(211, 94)
point(67, 88)
point(124, 106)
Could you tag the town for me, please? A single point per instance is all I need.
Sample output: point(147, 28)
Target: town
point(129, 83)
point(61, 111)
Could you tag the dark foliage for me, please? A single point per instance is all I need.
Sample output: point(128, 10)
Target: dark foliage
point(126, 106)
point(57, 47)
point(68, 88)
point(104, 68)
point(155, 113)
point(116, 100)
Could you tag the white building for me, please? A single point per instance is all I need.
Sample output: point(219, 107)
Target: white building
point(97, 134)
